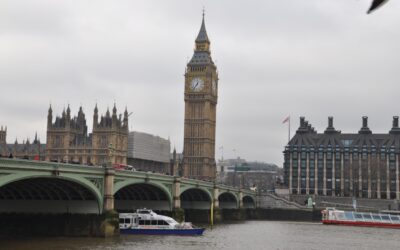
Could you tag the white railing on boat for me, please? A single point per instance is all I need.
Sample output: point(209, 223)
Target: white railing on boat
point(362, 216)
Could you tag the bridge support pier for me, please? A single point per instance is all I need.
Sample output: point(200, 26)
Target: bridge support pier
point(241, 206)
point(216, 210)
point(109, 189)
point(110, 225)
point(177, 212)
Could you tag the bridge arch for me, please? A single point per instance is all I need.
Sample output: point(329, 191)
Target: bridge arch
point(249, 202)
point(228, 200)
point(51, 194)
point(195, 198)
point(134, 194)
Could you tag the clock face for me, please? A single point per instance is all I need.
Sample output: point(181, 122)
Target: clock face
point(196, 84)
point(214, 87)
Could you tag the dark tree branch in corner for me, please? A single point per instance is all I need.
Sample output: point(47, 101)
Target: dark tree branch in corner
point(376, 4)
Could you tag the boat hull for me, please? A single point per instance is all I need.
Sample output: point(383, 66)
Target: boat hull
point(192, 231)
point(361, 224)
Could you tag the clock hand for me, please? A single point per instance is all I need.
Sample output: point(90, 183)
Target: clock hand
point(195, 86)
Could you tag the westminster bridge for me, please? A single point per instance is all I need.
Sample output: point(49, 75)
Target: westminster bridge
point(57, 188)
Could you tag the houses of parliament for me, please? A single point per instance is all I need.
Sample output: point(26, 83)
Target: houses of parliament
point(69, 141)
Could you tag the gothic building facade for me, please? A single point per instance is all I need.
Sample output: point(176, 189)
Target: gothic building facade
point(68, 139)
point(201, 95)
point(26, 150)
point(333, 163)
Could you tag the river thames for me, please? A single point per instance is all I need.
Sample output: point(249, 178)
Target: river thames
point(249, 235)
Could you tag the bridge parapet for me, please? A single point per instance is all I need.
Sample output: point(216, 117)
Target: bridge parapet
point(106, 183)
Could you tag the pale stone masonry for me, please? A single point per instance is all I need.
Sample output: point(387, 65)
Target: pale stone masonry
point(68, 139)
point(201, 95)
point(362, 164)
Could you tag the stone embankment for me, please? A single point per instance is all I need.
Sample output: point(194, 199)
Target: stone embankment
point(274, 201)
point(347, 202)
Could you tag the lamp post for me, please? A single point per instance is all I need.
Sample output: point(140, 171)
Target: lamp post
point(110, 155)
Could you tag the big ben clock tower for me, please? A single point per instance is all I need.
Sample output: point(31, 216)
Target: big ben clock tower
point(201, 94)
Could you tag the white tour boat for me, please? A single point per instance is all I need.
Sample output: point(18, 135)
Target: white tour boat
point(365, 219)
point(145, 221)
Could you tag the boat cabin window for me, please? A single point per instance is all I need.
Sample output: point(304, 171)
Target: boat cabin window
point(367, 216)
point(125, 221)
point(153, 222)
point(394, 217)
point(385, 217)
point(164, 223)
point(141, 222)
point(358, 216)
point(349, 215)
point(376, 217)
point(144, 212)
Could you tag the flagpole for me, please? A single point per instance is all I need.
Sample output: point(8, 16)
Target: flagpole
point(289, 131)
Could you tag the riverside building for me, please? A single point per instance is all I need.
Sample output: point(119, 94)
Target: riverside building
point(332, 163)
point(147, 152)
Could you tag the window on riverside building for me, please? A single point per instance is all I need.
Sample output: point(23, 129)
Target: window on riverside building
point(346, 156)
point(347, 143)
point(321, 155)
point(373, 151)
point(355, 155)
point(312, 167)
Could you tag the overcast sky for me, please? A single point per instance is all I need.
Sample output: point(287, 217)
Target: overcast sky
point(312, 58)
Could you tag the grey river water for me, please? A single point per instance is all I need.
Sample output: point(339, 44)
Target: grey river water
point(249, 235)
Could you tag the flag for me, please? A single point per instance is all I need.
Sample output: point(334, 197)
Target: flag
point(286, 119)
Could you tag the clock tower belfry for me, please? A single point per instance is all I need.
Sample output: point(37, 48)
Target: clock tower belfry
point(201, 95)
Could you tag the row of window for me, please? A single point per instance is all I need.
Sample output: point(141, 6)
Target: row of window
point(338, 156)
point(144, 222)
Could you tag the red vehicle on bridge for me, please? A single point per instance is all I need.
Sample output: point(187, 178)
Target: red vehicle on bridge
point(118, 166)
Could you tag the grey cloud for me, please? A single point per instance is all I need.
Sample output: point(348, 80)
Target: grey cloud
point(317, 58)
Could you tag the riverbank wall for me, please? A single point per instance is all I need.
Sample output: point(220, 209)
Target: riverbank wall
point(312, 215)
point(15, 225)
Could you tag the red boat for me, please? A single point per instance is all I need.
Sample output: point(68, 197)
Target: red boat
point(351, 218)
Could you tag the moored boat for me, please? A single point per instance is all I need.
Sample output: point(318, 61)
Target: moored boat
point(365, 219)
point(145, 221)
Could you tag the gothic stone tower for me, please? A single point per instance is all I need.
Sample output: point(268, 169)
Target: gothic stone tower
point(110, 137)
point(3, 135)
point(201, 86)
point(68, 139)
point(3, 141)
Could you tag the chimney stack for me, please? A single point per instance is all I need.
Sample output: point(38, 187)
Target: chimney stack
point(364, 129)
point(330, 122)
point(395, 122)
point(395, 128)
point(365, 121)
point(330, 129)
point(302, 120)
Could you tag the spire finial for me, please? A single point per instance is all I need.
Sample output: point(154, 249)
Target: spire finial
point(204, 11)
point(202, 36)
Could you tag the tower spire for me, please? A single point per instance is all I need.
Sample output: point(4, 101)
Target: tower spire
point(202, 36)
